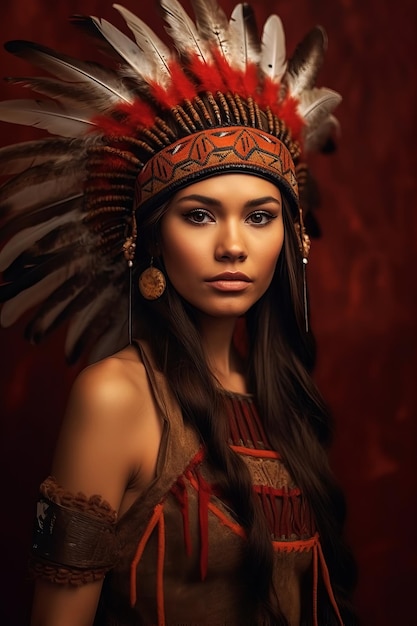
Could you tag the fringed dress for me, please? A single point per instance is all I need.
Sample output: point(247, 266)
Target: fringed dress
point(176, 557)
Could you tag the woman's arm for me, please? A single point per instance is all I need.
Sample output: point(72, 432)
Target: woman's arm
point(99, 450)
point(62, 605)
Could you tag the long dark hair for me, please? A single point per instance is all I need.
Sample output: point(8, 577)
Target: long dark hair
point(280, 359)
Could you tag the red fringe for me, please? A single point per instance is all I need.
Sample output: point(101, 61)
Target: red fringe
point(160, 600)
point(203, 507)
point(157, 512)
point(179, 489)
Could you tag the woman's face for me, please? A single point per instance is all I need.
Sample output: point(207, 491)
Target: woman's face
point(220, 242)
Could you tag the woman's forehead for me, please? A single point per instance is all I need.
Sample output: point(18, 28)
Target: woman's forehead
point(243, 187)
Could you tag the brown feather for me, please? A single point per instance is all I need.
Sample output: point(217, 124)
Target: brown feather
point(18, 157)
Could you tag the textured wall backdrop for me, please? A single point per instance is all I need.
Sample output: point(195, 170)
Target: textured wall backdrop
point(363, 296)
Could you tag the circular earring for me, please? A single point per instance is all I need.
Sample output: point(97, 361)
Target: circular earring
point(152, 283)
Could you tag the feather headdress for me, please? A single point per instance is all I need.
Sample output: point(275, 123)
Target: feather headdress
point(68, 210)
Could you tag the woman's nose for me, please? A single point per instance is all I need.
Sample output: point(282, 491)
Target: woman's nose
point(230, 244)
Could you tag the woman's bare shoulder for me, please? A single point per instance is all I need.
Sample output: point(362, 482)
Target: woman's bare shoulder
point(111, 387)
point(111, 418)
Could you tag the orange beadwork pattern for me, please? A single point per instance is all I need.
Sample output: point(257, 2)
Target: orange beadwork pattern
point(210, 152)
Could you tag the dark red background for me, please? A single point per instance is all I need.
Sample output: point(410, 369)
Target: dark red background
point(362, 283)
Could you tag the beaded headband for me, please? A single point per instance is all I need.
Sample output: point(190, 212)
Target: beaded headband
point(211, 152)
point(221, 98)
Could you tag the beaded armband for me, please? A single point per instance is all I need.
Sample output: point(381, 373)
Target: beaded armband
point(74, 537)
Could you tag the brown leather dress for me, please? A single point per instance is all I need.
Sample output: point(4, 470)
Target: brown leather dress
point(180, 550)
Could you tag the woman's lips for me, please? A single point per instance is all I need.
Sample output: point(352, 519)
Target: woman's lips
point(230, 281)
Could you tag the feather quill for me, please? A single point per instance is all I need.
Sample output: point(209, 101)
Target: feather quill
point(65, 301)
point(105, 82)
point(41, 194)
point(25, 300)
point(304, 65)
point(316, 104)
point(79, 95)
point(46, 115)
point(138, 66)
point(324, 137)
point(25, 271)
point(243, 37)
point(59, 173)
point(183, 31)
point(213, 25)
point(18, 157)
point(28, 237)
point(150, 44)
point(91, 319)
point(17, 222)
point(53, 312)
point(273, 56)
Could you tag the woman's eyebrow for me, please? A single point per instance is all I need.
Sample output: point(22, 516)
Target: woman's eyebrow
point(199, 198)
point(215, 202)
point(264, 200)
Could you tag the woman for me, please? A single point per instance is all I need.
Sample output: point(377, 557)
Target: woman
point(190, 474)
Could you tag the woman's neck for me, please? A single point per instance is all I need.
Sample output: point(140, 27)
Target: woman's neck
point(223, 359)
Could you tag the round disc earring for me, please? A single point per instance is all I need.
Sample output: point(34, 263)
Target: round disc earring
point(152, 283)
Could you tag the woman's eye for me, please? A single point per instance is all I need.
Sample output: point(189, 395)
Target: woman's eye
point(198, 216)
point(260, 218)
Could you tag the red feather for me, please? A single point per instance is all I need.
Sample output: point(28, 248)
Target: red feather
point(250, 80)
point(180, 83)
point(164, 97)
point(181, 88)
point(289, 113)
point(207, 75)
point(109, 126)
point(138, 114)
point(269, 94)
point(233, 79)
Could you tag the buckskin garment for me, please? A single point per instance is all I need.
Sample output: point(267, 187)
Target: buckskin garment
point(176, 556)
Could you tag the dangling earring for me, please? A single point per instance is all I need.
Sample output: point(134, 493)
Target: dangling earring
point(304, 243)
point(129, 248)
point(152, 283)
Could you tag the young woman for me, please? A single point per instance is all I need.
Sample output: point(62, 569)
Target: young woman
point(190, 483)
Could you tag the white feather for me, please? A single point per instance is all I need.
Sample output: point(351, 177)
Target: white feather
point(47, 115)
point(316, 138)
point(183, 31)
point(150, 44)
point(81, 95)
point(243, 38)
point(126, 48)
point(101, 80)
point(213, 25)
point(304, 65)
point(316, 104)
point(273, 57)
